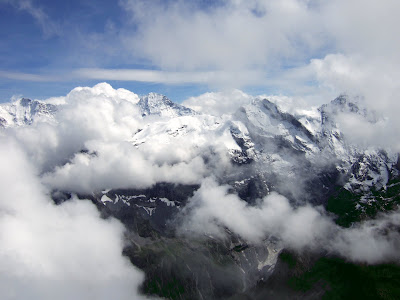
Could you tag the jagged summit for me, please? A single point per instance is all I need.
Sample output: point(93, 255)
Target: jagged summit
point(341, 104)
point(257, 132)
point(265, 121)
point(157, 104)
point(150, 162)
point(24, 101)
point(25, 111)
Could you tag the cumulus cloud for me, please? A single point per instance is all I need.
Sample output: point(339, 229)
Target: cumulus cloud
point(93, 144)
point(213, 209)
point(213, 206)
point(218, 103)
point(119, 165)
point(49, 251)
point(100, 113)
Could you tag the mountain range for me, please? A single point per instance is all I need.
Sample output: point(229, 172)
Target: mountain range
point(259, 152)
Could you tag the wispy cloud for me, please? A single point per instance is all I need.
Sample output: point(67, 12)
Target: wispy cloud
point(21, 76)
point(47, 250)
point(220, 78)
point(49, 27)
point(167, 77)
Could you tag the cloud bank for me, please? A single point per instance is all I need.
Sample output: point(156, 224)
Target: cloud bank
point(230, 35)
point(308, 50)
point(96, 131)
point(213, 209)
point(49, 251)
point(99, 140)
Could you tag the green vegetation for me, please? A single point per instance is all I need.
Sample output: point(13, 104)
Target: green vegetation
point(343, 204)
point(240, 248)
point(343, 280)
point(288, 258)
point(170, 289)
point(349, 208)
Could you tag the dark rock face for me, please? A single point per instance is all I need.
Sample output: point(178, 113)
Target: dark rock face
point(242, 156)
point(251, 189)
point(398, 162)
point(178, 267)
point(151, 207)
point(3, 122)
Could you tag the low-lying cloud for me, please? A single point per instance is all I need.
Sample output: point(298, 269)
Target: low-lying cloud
point(99, 140)
point(56, 252)
point(213, 209)
point(93, 144)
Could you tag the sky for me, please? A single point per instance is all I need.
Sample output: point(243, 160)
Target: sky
point(310, 49)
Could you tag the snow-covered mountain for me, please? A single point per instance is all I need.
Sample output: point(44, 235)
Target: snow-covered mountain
point(25, 112)
point(144, 161)
point(259, 139)
point(160, 105)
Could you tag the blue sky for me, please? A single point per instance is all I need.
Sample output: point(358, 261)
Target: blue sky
point(301, 48)
point(47, 38)
point(28, 46)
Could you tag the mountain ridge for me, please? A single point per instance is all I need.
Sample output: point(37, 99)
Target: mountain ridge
point(255, 153)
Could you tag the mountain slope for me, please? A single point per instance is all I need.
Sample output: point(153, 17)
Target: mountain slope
point(155, 165)
point(25, 112)
point(160, 105)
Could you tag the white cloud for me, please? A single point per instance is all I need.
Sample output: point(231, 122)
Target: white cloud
point(352, 30)
point(371, 241)
point(219, 103)
point(102, 121)
point(28, 76)
point(277, 45)
point(312, 49)
point(100, 113)
point(211, 78)
point(229, 101)
point(373, 80)
point(49, 251)
point(232, 35)
point(120, 165)
point(213, 208)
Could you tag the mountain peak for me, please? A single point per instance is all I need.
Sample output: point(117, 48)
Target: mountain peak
point(25, 102)
point(157, 104)
point(341, 104)
point(25, 111)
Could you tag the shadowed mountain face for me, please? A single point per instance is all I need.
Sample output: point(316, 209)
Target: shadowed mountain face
point(159, 189)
